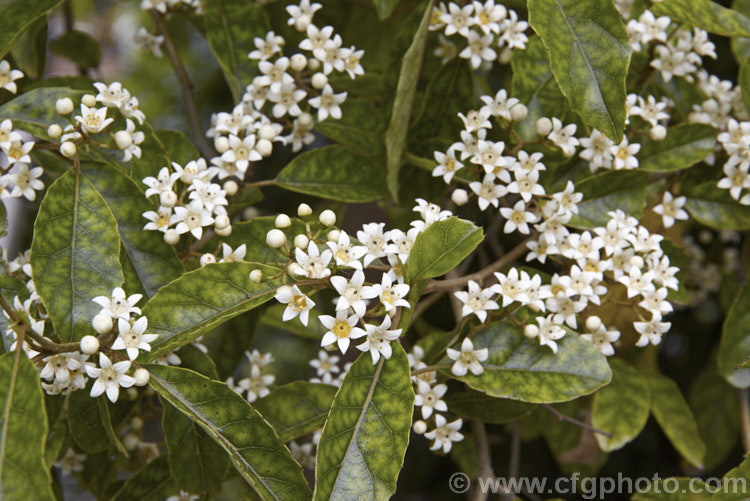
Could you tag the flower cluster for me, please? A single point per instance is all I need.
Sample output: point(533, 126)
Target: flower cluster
point(257, 384)
point(17, 178)
point(8, 77)
point(483, 26)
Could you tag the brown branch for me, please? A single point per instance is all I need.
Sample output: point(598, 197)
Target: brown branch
point(745, 418)
point(484, 461)
point(562, 417)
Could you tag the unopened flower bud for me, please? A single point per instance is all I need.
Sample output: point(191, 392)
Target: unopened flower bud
point(301, 241)
point(64, 105)
point(102, 323)
point(298, 62)
point(224, 232)
point(130, 442)
point(123, 139)
point(171, 236)
point(221, 221)
point(505, 55)
point(282, 221)
point(459, 196)
point(658, 133)
point(319, 80)
point(275, 238)
point(593, 323)
point(141, 377)
point(168, 198)
point(531, 330)
point(89, 100)
point(327, 218)
point(264, 147)
point(420, 427)
point(68, 149)
point(221, 144)
point(230, 187)
point(54, 131)
point(267, 132)
point(305, 119)
point(313, 64)
point(89, 344)
point(518, 112)
point(136, 423)
point(207, 259)
point(304, 210)
point(543, 126)
point(333, 235)
point(256, 276)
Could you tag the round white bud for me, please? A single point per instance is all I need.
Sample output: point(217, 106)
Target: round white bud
point(230, 187)
point(543, 126)
point(275, 238)
point(313, 64)
point(141, 377)
point(68, 149)
point(301, 22)
point(102, 323)
point(504, 57)
point(221, 144)
point(518, 112)
point(171, 236)
point(123, 139)
point(298, 62)
point(333, 235)
point(130, 442)
point(264, 147)
point(531, 330)
point(301, 241)
point(593, 323)
point(207, 259)
point(327, 218)
point(267, 132)
point(221, 221)
point(64, 105)
point(304, 210)
point(319, 80)
point(256, 276)
point(224, 232)
point(459, 196)
point(88, 100)
point(168, 198)
point(657, 133)
point(637, 262)
point(136, 423)
point(54, 131)
point(90, 344)
point(419, 427)
point(305, 119)
point(282, 221)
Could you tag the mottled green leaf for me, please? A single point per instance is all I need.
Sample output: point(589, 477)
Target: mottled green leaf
point(734, 348)
point(705, 14)
point(365, 437)
point(86, 421)
point(253, 446)
point(79, 47)
point(735, 484)
point(406, 89)
point(676, 419)
point(151, 483)
point(608, 191)
point(23, 431)
point(202, 299)
point(193, 358)
point(17, 16)
point(441, 247)
point(196, 461)
point(30, 50)
point(54, 443)
point(589, 54)
point(177, 145)
point(684, 146)
point(297, 408)
point(153, 156)
point(252, 234)
point(154, 261)
point(333, 172)
point(521, 369)
point(473, 404)
point(713, 207)
point(744, 82)
point(673, 489)
point(34, 111)
point(231, 28)
point(361, 126)
point(622, 407)
point(75, 254)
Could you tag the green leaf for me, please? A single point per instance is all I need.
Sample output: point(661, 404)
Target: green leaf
point(75, 254)
point(684, 146)
point(734, 348)
point(735, 485)
point(333, 172)
point(30, 50)
point(19, 15)
point(79, 47)
point(441, 247)
point(472, 404)
point(398, 128)
point(360, 127)
point(34, 111)
point(3, 220)
point(88, 425)
point(535, 86)
point(589, 54)
point(202, 299)
point(177, 145)
point(253, 446)
point(744, 81)
point(705, 14)
point(252, 234)
point(365, 437)
point(154, 261)
point(622, 407)
point(231, 28)
point(673, 489)
point(521, 369)
point(385, 7)
point(153, 156)
point(194, 359)
point(676, 419)
point(608, 191)
point(713, 207)
point(196, 461)
point(297, 408)
point(106, 421)
point(151, 483)
point(54, 443)
point(23, 431)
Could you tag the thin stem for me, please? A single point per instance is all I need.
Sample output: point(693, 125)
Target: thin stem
point(562, 417)
point(185, 85)
point(258, 184)
point(745, 418)
point(484, 461)
point(429, 368)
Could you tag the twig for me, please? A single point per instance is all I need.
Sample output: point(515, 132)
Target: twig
point(745, 418)
point(484, 461)
point(185, 84)
point(425, 304)
point(512, 255)
point(562, 417)
point(429, 368)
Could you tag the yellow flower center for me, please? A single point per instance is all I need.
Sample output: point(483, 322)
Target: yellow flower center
point(341, 328)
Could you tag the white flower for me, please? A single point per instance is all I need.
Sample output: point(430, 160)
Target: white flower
point(602, 339)
point(512, 287)
point(467, 359)
point(671, 208)
point(168, 359)
point(119, 306)
point(487, 191)
point(109, 377)
point(195, 169)
point(563, 137)
point(25, 181)
point(241, 152)
point(134, 150)
point(192, 218)
point(448, 164)
point(211, 195)
point(651, 331)
point(266, 48)
point(93, 120)
point(476, 301)
point(345, 253)
point(548, 332)
point(257, 384)
point(111, 96)
point(353, 293)
point(302, 14)
point(297, 303)
point(624, 155)
point(475, 121)
point(8, 77)
point(517, 218)
point(567, 199)
point(232, 256)
point(458, 20)
point(325, 364)
point(513, 32)
point(58, 367)
point(597, 150)
point(286, 100)
point(444, 433)
point(312, 264)
point(146, 41)
point(401, 243)
point(565, 309)
point(163, 182)
point(429, 398)
point(526, 184)
point(328, 103)
point(391, 296)
point(262, 360)
point(478, 49)
point(132, 337)
point(351, 59)
point(374, 240)
point(637, 282)
point(340, 329)
point(378, 340)
point(159, 221)
point(71, 462)
point(488, 16)
point(316, 38)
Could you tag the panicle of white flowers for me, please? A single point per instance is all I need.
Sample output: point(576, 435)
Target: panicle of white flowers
point(17, 177)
